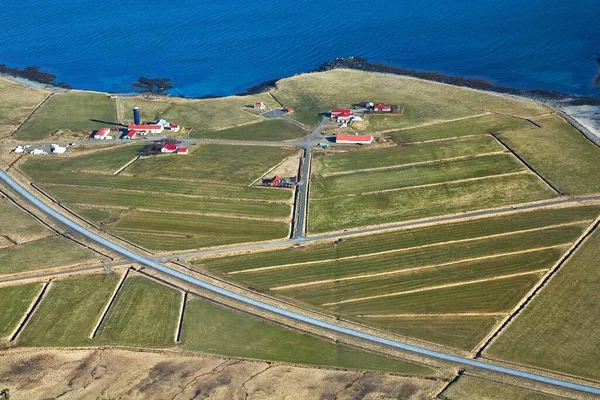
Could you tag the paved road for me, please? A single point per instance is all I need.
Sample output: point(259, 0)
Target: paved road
point(280, 311)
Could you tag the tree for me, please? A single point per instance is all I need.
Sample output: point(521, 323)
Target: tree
point(5, 394)
point(153, 85)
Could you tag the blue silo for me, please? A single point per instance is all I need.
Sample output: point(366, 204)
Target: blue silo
point(136, 115)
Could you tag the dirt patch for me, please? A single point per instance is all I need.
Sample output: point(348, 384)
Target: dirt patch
point(124, 374)
point(287, 169)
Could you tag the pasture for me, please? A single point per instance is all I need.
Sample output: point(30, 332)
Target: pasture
point(69, 311)
point(268, 130)
point(212, 329)
point(144, 314)
point(568, 159)
point(469, 387)
point(19, 227)
point(423, 101)
point(74, 111)
point(558, 329)
point(16, 103)
point(14, 302)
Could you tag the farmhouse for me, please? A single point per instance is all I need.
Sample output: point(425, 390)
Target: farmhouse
point(382, 108)
point(354, 139)
point(168, 148)
point(259, 105)
point(102, 134)
point(154, 128)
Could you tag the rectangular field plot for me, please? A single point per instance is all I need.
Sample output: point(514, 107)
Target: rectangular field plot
point(49, 252)
point(473, 388)
point(569, 160)
point(16, 102)
point(405, 238)
point(492, 123)
point(74, 111)
point(144, 313)
point(401, 155)
point(19, 227)
point(268, 130)
point(14, 302)
point(69, 312)
point(404, 177)
point(213, 329)
point(558, 330)
point(462, 331)
point(162, 231)
point(490, 296)
point(380, 208)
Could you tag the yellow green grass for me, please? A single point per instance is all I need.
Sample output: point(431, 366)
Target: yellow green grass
point(402, 177)
point(560, 153)
point(19, 226)
point(75, 111)
point(201, 115)
point(211, 329)
point(69, 312)
point(269, 130)
point(404, 238)
point(41, 254)
point(400, 155)
point(14, 302)
point(144, 314)
point(381, 208)
point(474, 388)
point(423, 101)
point(559, 328)
point(492, 123)
point(16, 102)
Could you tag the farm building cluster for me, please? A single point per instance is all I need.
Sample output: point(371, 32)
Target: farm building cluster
point(173, 148)
point(137, 128)
point(34, 151)
point(278, 181)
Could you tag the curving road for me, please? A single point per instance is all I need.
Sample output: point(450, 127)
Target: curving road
point(280, 311)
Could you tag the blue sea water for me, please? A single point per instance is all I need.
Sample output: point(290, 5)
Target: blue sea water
point(224, 46)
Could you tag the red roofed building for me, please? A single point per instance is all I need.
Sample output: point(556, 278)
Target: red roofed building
point(146, 128)
point(102, 133)
point(259, 105)
point(354, 139)
point(338, 112)
point(174, 127)
point(182, 150)
point(382, 108)
point(130, 134)
point(168, 148)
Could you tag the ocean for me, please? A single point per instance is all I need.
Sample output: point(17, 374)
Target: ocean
point(223, 47)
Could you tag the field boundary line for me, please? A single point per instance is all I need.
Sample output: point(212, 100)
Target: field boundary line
point(440, 393)
point(109, 304)
point(437, 122)
point(30, 311)
point(414, 164)
point(425, 246)
point(57, 273)
point(41, 103)
point(479, 178)
point(179, 327)
point(446, 139)
point(25, 314)
point(431, 288)
point(436, 315)
point(526, 164)
point(525, 301)
point(117, 172)
point(415, 269)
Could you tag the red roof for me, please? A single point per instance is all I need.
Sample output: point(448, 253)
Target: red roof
point(173, 125)
point(102, 132)
point(131, 133)
point(354, 138)
point(144, 127)
point(383, 106)
point(170, 147)
point(338, 112)
point(182, 149)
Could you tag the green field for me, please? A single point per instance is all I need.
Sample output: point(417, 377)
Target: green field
point(75, 111)
point(334, 214)
point(144, 314)
point(423, 101)
point(568, 159)
point(269, 130)
point(402, 177)
point(205, 114)
point(473, 388)
point(486, 124)
point(16, 102)
point(559, 328)
point(404, 238)
point(463, 332)
point(19, 226)
point(14, 302)
point(401, 155)
point(69, 311)
point(41, 254)
point(211, 329)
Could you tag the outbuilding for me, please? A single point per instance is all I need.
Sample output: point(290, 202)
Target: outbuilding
point(130, 134)
point(154, 128)
point(57, 149)
point(173, 127)
point(354, 139)
point(182, 150)
point(382, 108)
point(102, 134)
point(259, 105)
point(169, 148)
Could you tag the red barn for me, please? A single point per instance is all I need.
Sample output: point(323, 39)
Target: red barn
point(354, 139)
